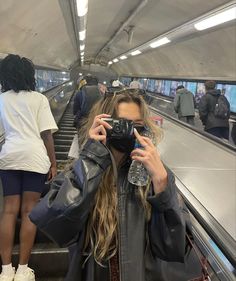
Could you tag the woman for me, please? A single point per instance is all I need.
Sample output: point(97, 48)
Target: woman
point(120, 230)
point(25, 159)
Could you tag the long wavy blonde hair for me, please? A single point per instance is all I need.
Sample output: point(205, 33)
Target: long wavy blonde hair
point(101, 235)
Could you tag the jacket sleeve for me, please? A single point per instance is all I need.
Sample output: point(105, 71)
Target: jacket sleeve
point(203, 109)
point(77, 102)
point(167, 225)
point(66, 215)
point(177, 102)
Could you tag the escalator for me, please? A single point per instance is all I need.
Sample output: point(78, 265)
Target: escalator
point(51, 263)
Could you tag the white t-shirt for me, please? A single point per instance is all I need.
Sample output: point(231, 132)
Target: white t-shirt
point(24, 116)
point(116, 83)
point(135, 85)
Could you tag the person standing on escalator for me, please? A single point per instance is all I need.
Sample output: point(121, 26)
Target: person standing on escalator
point(27, 158)
point(184, 105)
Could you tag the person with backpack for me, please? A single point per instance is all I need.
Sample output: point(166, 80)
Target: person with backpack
point(214, 111)
point(85, 98)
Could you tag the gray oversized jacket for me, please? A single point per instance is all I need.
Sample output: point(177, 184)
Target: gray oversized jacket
point(184, 103)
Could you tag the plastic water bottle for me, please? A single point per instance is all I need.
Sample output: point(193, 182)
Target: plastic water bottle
point(138, 174)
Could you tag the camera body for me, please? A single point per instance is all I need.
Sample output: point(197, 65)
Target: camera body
point(121, 128)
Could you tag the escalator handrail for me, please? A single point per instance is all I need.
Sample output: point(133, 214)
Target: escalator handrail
point(219, 235)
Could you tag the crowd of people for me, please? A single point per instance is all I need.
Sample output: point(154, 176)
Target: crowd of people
point(113, 229)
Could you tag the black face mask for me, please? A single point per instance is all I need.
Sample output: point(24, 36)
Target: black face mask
point(124, 145)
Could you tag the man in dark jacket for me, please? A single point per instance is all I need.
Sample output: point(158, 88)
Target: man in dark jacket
point(184, 104)
point(85, 98)
point(214, 125)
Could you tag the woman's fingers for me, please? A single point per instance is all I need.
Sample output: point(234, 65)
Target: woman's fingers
point(138, 152)
point(100, 129)
point(144, 141)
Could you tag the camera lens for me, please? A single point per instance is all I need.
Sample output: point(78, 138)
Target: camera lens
point(117, 128)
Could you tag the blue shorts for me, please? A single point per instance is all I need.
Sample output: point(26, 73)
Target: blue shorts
point(15, 182)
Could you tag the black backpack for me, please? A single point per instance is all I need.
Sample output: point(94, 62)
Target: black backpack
point(222, 108)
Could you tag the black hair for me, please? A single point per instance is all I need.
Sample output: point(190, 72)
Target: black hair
point(210, 85)
point(179, 87)
point(17, 74)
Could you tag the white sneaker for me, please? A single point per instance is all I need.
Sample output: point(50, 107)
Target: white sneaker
point(4, 277)
point(28, 275)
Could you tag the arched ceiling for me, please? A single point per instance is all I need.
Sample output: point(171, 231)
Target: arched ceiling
point(45, 30)
point(36, 29)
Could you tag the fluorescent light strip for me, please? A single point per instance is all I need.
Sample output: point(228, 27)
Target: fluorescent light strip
point(82, 35)
point(82, 7)
point(137, 52)
point(115, 60)
point(160, 42)
point(123, 57)
point(110, 62)
point(82, 47)
point(217, 19)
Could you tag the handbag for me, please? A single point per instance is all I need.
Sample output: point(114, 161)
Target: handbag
point(63, 211)
point(49, 214)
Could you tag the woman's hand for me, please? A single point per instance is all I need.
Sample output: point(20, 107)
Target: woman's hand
point(150, 158)
point(98, 129)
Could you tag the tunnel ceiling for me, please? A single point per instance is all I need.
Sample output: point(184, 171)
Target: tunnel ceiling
point(36, 29)
point(43, 31)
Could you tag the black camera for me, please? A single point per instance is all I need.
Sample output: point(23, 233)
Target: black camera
point(121, 128)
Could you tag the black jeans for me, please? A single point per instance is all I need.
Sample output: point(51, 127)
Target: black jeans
point(220, 132)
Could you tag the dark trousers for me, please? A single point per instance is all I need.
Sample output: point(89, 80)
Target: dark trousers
point(187, 119)
point(220, 132)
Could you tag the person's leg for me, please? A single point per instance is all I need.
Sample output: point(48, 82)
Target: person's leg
point(7, 226)
point(182, 118)
point(214, 131)
point(225, 133)
point(190, 120)
point(11, 187)
point(28, 229)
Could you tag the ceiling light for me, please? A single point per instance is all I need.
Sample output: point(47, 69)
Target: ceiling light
point(115, 60)
point(82, 7)
point(82, 35)
point(123, 57)
point(104, 82)
point(110, 62)
point(159, 42)
point(80, 74)
point(82, 54)
point(137, 52)
point(220, 18)
point(82, 47)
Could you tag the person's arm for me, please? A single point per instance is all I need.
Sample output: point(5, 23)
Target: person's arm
point(203, 109)
point(176, 102)
point(49, 144)
point(166, 227)
point(62, 214)
point(71, 196)
point(77, 102)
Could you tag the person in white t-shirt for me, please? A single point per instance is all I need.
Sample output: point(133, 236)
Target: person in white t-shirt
point(135, 84)
point(27, 159)
point(117, 83)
